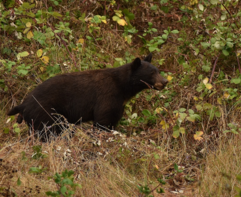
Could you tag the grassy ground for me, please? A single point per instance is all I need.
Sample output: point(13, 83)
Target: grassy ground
point(111, 164)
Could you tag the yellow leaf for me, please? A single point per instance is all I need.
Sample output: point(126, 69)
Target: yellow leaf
point(209, 86)
point(177, 114)
point(238, 51)
point(42, 69)
point(45, 59)
point(26, 30)
point(165, 126)
point(195, 98)
point(226, 95)
point(219, 101)
point(205, 81)
point(104, 21)
point(198, 135)
point(28, 24)
point(118, 13)
point(39, 52)
point(182, 130)
point(122, 22)
point(81, 41)
point(156, 166)
point(169, 78)
point(29, 35)
point(158, 110)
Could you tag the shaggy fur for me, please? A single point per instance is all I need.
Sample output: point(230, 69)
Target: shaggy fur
point(95, 95)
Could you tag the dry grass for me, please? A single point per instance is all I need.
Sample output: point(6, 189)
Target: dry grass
point(115, 166)
point(221, 168)
point(107, 164)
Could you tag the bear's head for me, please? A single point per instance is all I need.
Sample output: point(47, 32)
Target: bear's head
point(147, 75)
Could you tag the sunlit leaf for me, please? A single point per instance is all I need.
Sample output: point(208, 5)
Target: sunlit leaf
point(81, 41)
point(195, 98)
point(226, 95)
point(209, 86)
point(214, 2)
point(104, 21)
point(175, 31)
point(118, 13)
point(29, 34)
point(42, 69)
point(39, 53)
point(28, 24)
point(45, 59)
point(115, 18)
point(22, 54)
point(201, 7)
point(169, 78)
point(122, 22)
point(182, 130)
point(236, 80)
point(205, 81)
point(165, 126)
point(198, 135)
point(176, 134)
point(26, 30)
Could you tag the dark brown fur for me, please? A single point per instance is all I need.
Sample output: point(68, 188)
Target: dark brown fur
point(95, 95)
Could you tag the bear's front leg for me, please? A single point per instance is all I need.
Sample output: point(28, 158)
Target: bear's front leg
point(108, 117)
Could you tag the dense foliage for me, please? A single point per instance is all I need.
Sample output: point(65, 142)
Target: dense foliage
point(196, 46)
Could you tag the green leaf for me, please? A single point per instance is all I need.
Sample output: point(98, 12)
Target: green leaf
point(19, 181)
point(115, 18)
point(175, 31)
point(154, 7)
point(225, 52)
point(183, 116)
point(199, 107)
point(156, 156)
point(236, 80)
point(128, 14)
point(229, 44)
point(151, 49)
point(164, 36)
point(55, 14)
point(63, 189)
point(175, 166)
point(182, 109)
point(214, 2)
point(206, 68)
point(146, 112)
point(176, 134)
point(191, 111)
point(22, 54)
point(205, 44)
point(223, 17)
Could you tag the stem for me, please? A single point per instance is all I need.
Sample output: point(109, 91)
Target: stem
point(214, 66)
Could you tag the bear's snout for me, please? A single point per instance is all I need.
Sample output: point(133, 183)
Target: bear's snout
point(161, 82)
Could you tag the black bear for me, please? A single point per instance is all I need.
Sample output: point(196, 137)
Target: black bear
point(94, 95)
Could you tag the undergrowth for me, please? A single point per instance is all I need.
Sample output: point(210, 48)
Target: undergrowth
point(187, 135)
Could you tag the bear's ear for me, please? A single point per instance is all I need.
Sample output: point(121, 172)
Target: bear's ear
point(136, 64)
point(148, 58)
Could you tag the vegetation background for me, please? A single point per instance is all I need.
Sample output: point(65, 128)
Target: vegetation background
point(183, 141)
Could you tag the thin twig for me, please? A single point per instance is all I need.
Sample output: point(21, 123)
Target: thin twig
point(238, 64)
point(214, 66)
point(146, 84)
point(230, 15)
